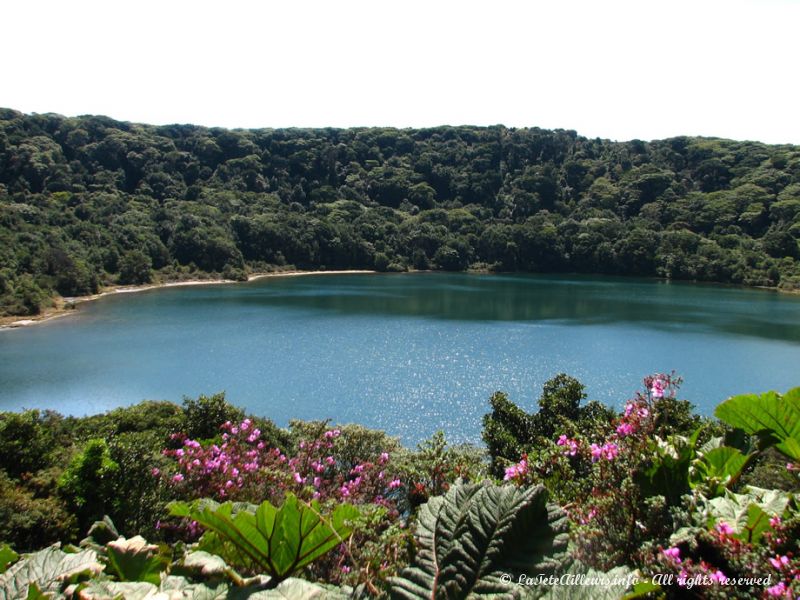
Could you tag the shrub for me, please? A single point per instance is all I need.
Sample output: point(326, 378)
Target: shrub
point(88, 483)
point(26, 441)
point(206, 415)
point(28, 522)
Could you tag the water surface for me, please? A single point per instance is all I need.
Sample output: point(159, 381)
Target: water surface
point(408, 353)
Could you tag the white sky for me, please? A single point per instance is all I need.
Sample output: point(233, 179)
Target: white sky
point(615, 69)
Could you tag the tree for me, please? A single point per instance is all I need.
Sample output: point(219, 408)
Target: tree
point(135, 267)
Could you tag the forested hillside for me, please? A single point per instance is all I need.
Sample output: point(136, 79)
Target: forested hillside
point(90, 201)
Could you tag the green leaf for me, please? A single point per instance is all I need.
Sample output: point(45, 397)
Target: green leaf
point(775, 418)
point(790, 447)
point(205, 564)
point(289, 589)
point(748, 514)
point(643, 589)
point(475, 538)
point(668, 473)
point(48, 570)
point(717, 469)
point(266, 539)
point(7, 556)
point(179, 587)
point(127, 590)
point(135, 560)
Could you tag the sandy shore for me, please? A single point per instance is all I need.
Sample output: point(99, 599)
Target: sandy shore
point(68, 306)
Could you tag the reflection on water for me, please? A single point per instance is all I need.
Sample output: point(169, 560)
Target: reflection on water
point(409, 353)
point(574, 301)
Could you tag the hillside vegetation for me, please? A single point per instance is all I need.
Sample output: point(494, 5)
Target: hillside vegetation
point(90, 201)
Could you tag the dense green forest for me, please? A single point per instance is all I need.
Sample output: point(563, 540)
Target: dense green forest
point(653, 501)
point(90, 201)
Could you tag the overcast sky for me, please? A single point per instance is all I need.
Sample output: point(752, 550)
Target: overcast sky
point(614, 69)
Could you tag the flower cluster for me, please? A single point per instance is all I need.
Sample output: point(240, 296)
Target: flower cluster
point(519, 471)
point(661, 385)
point(243, 467)
point(608, 451)
point(722, 553)
point(571, 446)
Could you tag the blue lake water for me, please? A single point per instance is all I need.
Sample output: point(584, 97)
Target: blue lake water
point(407, 353)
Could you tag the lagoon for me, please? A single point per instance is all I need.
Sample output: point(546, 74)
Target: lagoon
point(407, 353)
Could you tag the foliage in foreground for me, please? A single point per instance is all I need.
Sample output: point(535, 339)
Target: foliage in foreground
point(477, 540)
point(322, 511)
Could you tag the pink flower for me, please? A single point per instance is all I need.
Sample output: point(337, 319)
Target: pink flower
point(657, 388)
point(571, 445)
point(775, 522)
point(589, 516)
point(384, 458)
point(682, 576)
point(718, 576)
point(155, 472)
point(624, 429)
point(297, 478)
point(673, 553)
point(596, 452)
point(724, 528)
point(394, 483)
point(345, 569)
point(344, 491)
point(177, 478)
point(610, 451)
point(517, 470)
point(779, 562)
point(777, 590)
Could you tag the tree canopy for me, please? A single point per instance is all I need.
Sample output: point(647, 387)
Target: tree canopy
point(90, 201)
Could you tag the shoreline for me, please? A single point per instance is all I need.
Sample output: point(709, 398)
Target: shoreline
point(66, 306)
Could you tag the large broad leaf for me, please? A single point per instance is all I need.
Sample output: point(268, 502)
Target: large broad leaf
point(179, 588)
point(129, 590)
point(668, 472)
point(271, 540)
point(775, 418)
point(135, 560)
point(290, 589)
point(717, 469)
point(48, 570)
point(478, 539)
point(7, 556)
point(748, 514)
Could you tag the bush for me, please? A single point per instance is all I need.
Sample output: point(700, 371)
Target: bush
point(207, 414)
point(29, 523)
point(26, 441)
point(87, 484)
